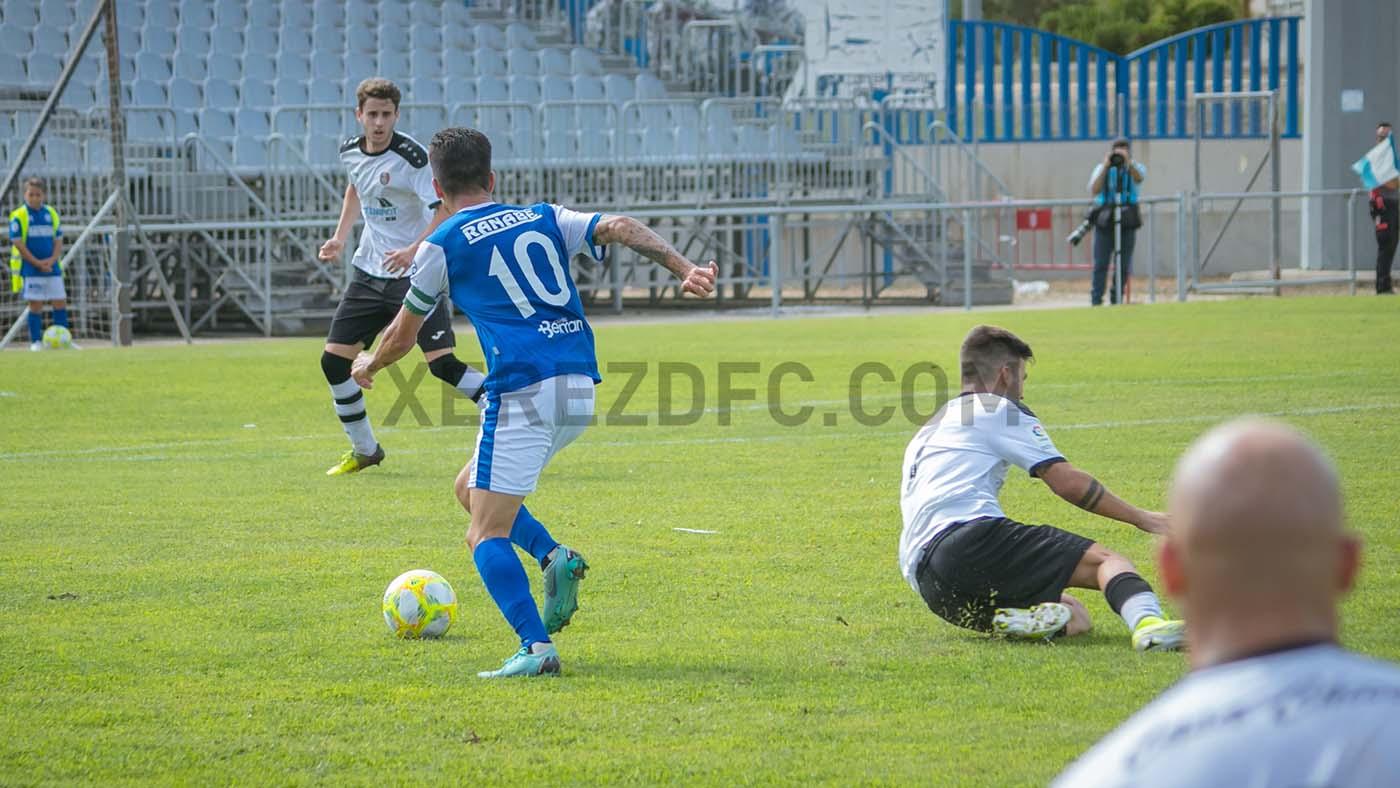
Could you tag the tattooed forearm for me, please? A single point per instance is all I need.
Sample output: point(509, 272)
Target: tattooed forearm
point(641, 239)
point(1092, 496)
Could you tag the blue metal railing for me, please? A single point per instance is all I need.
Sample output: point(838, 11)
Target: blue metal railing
point(1012, 83)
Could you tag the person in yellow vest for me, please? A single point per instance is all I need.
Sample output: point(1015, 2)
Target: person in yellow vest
point(36, 244)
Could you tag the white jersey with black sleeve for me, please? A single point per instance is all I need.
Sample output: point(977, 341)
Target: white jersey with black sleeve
point(396, 198)
point(1315, 715)
point(956, 464)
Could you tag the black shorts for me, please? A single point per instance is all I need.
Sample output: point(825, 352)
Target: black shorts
point(973, 568)
point(370, 304)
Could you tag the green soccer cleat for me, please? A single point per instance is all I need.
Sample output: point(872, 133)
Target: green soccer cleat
point(1154, 634)
point(561, 576)
point(527, 663)
point(354, 463)
point(1037, 622)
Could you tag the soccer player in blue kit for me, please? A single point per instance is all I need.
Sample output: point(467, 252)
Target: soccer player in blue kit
point(507, 268)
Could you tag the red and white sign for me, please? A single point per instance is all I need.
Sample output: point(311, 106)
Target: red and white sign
point(1033, 219)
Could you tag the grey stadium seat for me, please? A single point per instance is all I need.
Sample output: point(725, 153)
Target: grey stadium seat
point(588, 88)
point(458, 39)
point(225, 66)
point(518, 35)
point(327, 65)
point(294, 40)
point(618, 88)
point(522, 61)
point(145, 93)
point(425, 62)
point(523, 88)
point(185, 123)
point(99, 155)
point(80, 97)
point(43, 69)
point(586, 61)
point(216, 123)
point(422, 36)
point(145, 126)
point(263, 68)
point(263, 15)
point(488, 35)
point(196, 14)
point(555, 62)
point(221, 93)
point(250, 154)
point(192, 38)
point(185, 94)
point(290, 123)
point(360, 38)
point(252, 122)
point(266, 43)
point(60, 12)
point(361, 15)
point(595, 144)
point(226, 40)
point(229, 16)
point(325, 91)
point(297, 15)
point(149, 65)
point(492, 89)
point(189, 65)
point(458, 64)
point(161, 15)
point(553, 88)
point(649, 87)
point(490, 62)
point(52, 40)
point(559, 145)
point(287, 91)
point(393, 63)
point(291, 64)
point(22, 16)
point(459, 90)
point(330, 12)
point(326, 38)
point(361, 69)
point(158, 39)
point(425, 90)
point(256, 93)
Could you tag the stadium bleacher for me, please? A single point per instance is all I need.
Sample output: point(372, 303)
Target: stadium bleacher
point(236, 74)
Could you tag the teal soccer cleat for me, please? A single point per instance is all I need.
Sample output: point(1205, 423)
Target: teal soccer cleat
point(527, 663)
point(561, 577)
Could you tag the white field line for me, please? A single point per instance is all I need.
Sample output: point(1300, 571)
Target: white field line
point(140, 453)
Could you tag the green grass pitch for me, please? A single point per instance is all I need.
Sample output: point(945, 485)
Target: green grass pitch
point(188, 599)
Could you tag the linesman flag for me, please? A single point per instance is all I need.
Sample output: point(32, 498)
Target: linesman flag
point(1380, 165)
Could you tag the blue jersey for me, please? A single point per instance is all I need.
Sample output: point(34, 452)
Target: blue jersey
point(43, 229)
point(507, 268)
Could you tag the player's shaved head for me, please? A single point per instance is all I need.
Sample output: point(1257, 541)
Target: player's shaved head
point(1257, 551)
point(986, 350)
point(461, 160)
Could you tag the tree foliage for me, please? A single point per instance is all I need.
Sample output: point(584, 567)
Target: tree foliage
point(1116, 25)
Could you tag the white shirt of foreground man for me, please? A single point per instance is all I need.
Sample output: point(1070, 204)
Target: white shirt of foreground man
point(1258, 558)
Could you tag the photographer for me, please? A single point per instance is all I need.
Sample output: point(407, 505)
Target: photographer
point(1115, 180)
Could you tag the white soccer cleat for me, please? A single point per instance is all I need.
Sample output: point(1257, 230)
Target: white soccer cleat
point(1037, 622)
point(35, 347)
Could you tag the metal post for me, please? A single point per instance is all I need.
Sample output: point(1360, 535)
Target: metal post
point(1275, 212)
point(775, 261)
point(615, 279)
point(121, 322)
point(968, 247)
point(1151, 253)
point(1180, 246)
point(267, 282)
point(1351, 239)
point(1196, 200)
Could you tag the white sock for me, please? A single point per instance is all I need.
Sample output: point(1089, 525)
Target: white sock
point(470, 384)
point(540, 646)
point(1140, 606)
point(350, 407)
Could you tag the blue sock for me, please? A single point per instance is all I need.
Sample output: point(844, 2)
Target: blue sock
point(532, 536)
point(60, 317)
point(505, 579)
point(36, 327)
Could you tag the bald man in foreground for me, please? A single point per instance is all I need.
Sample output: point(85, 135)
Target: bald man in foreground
point(1258, 558)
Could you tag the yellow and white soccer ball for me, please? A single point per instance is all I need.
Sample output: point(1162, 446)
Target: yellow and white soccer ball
point(56, 337)
point(420, 603)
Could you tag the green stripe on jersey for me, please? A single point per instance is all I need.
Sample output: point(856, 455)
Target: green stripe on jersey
point(416, 303)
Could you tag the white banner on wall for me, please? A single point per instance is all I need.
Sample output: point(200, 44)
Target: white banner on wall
point(853, 45)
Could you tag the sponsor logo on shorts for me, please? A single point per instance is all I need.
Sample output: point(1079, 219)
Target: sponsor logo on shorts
point(552, 328)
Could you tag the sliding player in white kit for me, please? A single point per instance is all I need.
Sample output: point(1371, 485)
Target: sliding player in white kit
point(1259, 558)
point(507, 268)
point(978, 569)
point(391, 186)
